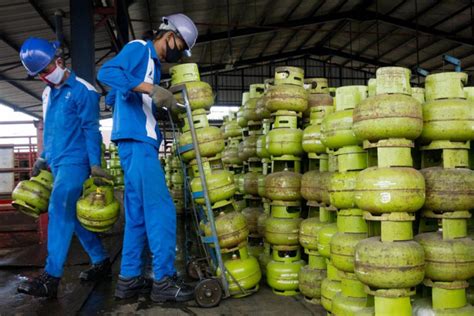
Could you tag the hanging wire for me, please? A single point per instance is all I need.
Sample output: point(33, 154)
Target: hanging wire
point(472, 27)
point(214, 73)
point(377, 28)
point(228, 32)
point(350, 48)
point(330, 61)
point(417, 40)
point(472, 19)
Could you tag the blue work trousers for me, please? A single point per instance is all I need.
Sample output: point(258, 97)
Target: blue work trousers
point(149, 211)
point(62, 220)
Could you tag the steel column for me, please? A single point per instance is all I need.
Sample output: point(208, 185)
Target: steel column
point(82, 39)
point(122, 21)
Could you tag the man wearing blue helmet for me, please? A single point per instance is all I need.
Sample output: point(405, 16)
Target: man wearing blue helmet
point(149, 210)
point(72, 149)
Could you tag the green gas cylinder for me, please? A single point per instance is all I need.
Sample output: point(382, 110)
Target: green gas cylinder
point(447, 114)
point(220, 186)
point(242, 272)
point(31, 197)
point(232, 229)
point(199, 92)
point(282, 272)
point(98, 210)
point(283, 185)
point(210, 142)
point(288, 93)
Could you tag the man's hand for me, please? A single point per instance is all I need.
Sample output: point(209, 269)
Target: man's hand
point(102, 182)
point(163, 97)
point(97, 171)
point(40, 164)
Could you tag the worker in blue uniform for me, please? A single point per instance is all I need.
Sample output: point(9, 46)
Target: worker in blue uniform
point(150, 214)
point(110, 99)
point(72, 150)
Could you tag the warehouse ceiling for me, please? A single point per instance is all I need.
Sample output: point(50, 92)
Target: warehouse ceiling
point(354, 36)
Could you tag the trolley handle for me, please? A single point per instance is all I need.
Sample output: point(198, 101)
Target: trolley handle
point(181, 88)
point(184, 92)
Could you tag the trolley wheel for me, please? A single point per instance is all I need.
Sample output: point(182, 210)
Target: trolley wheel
point(194, 270)
point(208, 293)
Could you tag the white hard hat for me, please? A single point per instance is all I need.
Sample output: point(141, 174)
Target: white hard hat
point(185, 28)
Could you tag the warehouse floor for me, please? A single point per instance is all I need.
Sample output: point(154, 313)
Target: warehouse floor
point(87, 299)
point(262, 303)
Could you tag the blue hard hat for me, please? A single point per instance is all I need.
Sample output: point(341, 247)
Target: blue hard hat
point(37, 53)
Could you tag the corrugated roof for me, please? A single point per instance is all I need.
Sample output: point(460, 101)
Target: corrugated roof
point(357, 35)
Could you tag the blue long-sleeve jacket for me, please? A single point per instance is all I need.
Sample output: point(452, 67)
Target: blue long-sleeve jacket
point(110, 97)
point(71, 123)
point(133, 116)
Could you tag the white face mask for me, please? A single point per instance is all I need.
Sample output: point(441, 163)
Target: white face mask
point(55, 76)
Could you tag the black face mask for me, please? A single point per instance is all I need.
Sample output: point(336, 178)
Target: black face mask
point(172, 54)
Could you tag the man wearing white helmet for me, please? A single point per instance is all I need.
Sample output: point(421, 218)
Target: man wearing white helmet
point(150, 214)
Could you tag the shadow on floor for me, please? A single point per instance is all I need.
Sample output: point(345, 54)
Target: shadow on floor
point(101, 302)
point(72, 293)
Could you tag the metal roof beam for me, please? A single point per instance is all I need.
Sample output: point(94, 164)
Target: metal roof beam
point(20, 87)
point(357, 9)
point(331, 34)
point(286, 56)
point(431, 43)
point(150, 18)
point(357, 15)
point(465, 55)
point(379, 40)
point(275, 34)
point(436, 33)
point(362, 33)
point(338, 65)
point(19, 109)
point(228, 45)
point(310, 35)
point(9, 42)
point(261, 20)
point(45, 18)
point(272, 27)
point(290, 38)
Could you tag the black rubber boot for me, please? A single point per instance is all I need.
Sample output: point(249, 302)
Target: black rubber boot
point(171, 289)
point(43, 285)
point(97, 271)
point(128, 288)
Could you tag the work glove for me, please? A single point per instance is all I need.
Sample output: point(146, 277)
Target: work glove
point(163, 98)
point(40, 164)
point(101, 182)
point(97, 171)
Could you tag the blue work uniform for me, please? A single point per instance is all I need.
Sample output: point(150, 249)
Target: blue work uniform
point(149, 209)
point(110, 98)
point(72, 144)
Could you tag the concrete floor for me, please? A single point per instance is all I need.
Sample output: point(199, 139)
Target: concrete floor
point(97, 299)
point(101, 302)
point(262, 303)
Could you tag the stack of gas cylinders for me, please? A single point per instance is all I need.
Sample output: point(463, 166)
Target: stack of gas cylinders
point(114, 167)
point(338, 136)
point(242, 269)
point(379, 141)
point(230, 156)
point(448, 121)
point(286, 100)
point(251, 125)
point(388, 188)
point(320, 104)
point(175, 182)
